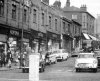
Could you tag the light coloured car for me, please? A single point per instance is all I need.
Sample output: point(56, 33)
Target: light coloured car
point(52, 58)
point(86, 61)
point(61, 54)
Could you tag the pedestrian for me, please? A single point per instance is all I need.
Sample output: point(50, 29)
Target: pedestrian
point(3, 62)
point(9, 58)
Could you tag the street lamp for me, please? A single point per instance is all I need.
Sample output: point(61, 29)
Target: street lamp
point(21, 52)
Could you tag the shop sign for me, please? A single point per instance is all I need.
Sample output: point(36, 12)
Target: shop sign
point(25, 40)
point(40, 34)
point(13, 32)
point(54, 35)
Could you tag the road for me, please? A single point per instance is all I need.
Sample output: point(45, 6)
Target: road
point(62, 71)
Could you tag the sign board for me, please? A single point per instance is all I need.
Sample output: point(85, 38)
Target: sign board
point(3, 38)
point(13, 32)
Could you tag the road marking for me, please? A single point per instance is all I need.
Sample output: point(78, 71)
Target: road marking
point(14, 79)
point(19, 79)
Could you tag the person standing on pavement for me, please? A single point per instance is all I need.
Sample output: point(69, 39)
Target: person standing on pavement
point(3, 62)
point(9, 57)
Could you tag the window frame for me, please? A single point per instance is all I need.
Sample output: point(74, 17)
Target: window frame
point(24, 15)
point(34, 15)
point(43, 19)
point(2, 8)
point(50, 22)
point(56, 24)
point(14, 11)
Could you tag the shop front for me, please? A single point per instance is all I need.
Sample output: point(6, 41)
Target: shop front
point(67, 42)
point(3, 40)
point(42, 41)
point(77, 43)
point(38, 41)
point(53, 41)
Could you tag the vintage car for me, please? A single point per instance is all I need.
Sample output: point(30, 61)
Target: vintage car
point(61, 54)
point(86, 61)
point(52, 58)
point(97, 52)
point(25, 68)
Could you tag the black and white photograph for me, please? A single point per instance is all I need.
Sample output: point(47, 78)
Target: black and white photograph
point(49, 40)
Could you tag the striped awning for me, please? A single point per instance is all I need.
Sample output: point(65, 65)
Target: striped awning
point(86, 36)
point(93, 38)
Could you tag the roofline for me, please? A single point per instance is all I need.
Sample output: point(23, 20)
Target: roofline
point(82, 12)
point(77, 22)
point(64, 18)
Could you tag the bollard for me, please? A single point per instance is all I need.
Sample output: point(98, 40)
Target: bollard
point(34, 67)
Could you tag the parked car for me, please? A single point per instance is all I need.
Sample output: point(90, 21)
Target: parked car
point(61, 54)
point(52, 58)
point(97, 52)
point(25, 68)
point(86, 61)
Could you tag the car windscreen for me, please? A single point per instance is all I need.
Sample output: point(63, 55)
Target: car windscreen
point(86, 56)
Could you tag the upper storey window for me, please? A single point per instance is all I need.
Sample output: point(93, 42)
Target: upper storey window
point(34, 15)
point(13, 11)
point(1, 7)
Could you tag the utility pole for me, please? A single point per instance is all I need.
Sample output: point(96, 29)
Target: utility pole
point(21, 52)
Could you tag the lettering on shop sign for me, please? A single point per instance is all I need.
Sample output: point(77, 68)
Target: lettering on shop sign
point(12, 32)
point(40, 34)
point(53, 35)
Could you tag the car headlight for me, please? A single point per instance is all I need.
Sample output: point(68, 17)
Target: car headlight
point(95, 62)
point(76, 63)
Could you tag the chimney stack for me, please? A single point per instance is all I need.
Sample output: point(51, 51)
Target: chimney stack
point(83, 8)
point(57, 4)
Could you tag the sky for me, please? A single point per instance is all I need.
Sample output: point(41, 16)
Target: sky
point(93, 6)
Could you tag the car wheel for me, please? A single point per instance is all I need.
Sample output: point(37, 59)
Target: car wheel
point(55, 61)
point(50, 62)
point(42, 69)
point(62, 59)
point(23, 70)
point(77, 70)
point(95, 70)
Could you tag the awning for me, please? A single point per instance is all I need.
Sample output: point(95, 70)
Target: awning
point(86, 36)
point(93, 38)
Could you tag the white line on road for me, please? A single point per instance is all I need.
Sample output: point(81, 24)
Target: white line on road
point(1, 79)
point(13, 79)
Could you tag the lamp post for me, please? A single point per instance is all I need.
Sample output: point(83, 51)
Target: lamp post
point(21, 52)
point(46, 38)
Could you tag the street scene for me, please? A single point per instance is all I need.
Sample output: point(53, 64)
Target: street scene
point(49, 40)
point(62, 71)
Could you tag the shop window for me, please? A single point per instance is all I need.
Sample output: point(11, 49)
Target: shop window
point(1, 7)
point(35, 45)
point(13, 11)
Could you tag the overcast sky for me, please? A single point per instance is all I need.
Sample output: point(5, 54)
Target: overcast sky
point(93, 6)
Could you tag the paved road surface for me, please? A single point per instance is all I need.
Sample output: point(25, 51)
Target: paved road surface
point(62, 71)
